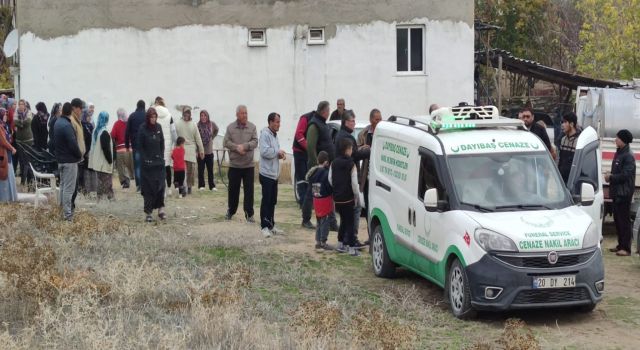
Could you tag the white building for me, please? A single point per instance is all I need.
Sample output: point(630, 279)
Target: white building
point(284, 56)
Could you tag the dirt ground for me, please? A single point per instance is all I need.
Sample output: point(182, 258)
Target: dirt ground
point(198, 221)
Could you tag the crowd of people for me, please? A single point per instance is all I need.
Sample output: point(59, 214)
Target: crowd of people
point(155, 151)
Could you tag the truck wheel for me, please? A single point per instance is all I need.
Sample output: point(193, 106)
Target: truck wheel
point(457, 289)
point(382, 264)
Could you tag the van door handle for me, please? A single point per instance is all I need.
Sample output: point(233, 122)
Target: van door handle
point(414, 218)
point(409, 215)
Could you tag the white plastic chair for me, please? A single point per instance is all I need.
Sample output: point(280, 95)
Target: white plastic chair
point(44, 183)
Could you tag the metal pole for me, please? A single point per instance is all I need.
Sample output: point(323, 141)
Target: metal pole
point(500, 83)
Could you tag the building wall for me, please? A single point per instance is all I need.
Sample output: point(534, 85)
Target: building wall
point(210, 65)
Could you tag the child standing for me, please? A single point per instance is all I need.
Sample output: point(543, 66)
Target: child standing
point(179, 166)
point(344, 180)
point(318, 178)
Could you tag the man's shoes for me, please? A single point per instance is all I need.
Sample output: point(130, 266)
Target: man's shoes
point(353, 251)
point(214, 189)
point(161, 214)
point(276, 231)
point(622, 252)
point(201, 189)
point(266, 232)
point(359, 245)
point(341, 248)
point(149, 218)
point(308, 225)
point(250, 219)
point(325, 246)
point(614, 250)
point(228, 216)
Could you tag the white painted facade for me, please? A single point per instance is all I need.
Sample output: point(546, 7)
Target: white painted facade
point(213, 67)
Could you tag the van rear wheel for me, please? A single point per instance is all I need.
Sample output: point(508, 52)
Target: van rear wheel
point(457, 289)
point(382, 264)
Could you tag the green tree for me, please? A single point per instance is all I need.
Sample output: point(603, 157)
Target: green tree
point(610, 38)
point(6, 16)
point(544, 31)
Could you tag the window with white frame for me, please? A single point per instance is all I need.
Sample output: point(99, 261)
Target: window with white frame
point(315, 36)
point(257, 37)
point(410, 49)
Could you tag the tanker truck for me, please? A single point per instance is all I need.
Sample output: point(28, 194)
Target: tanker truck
point(608, 110)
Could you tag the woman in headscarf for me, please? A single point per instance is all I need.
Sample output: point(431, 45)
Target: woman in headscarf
point(39, 126)
point(86, 177)
point(165, 120)
point(208, 131)
point(8, 190)
point(24, 136)
point(101, 157)
point(150, 143)
point(56, 111)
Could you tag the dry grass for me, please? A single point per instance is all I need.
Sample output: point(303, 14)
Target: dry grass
point(316, 319)
point(109, 281)
point(28, 266)
point(516, 335)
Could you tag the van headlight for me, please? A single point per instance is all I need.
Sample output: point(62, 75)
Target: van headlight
point(490, 240)
point(591, 237)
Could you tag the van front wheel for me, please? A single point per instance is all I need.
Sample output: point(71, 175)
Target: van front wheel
point(382, 264)
point(457, 289)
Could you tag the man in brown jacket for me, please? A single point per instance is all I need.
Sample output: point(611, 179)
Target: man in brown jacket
point(241, 138)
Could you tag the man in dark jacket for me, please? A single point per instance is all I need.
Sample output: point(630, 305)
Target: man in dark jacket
point(319, 136)
point(300, 161)
point(68, 155)
point(621, 187)
point(347, 126)
point(526, 115)
point(568, 144)
point(136, 119)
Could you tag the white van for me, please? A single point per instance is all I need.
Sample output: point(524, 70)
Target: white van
point(475, 204)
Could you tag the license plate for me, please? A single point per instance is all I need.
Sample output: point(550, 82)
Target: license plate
point(554, 282)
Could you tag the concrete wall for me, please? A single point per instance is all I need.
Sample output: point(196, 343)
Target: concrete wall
point(53, 18)
point(211, 66)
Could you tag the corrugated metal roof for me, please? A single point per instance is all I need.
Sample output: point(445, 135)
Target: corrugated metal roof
point(538, 71)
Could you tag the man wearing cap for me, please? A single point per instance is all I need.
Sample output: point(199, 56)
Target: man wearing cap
point(621, 186)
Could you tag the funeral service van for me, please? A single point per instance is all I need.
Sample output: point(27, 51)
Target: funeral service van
point(474, 203)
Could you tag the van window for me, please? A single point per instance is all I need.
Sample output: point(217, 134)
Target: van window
point(588, 171)
point(429, 177)
point(507, 181)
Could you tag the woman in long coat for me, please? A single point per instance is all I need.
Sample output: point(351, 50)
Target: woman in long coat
point(150, 144)
point(8, 190)
point(101, 157)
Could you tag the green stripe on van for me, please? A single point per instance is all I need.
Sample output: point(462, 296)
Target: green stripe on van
point(434, 272)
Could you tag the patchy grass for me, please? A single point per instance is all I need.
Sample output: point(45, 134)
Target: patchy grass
point(108, 280)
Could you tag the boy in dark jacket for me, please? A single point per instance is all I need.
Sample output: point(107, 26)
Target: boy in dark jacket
point(622, 185)
point(346, 195)
point(318, 178)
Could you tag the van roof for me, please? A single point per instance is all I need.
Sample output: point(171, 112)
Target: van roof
point(462, 133)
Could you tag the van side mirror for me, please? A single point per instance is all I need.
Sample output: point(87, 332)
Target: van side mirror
point(431, 199)
point(587, 194)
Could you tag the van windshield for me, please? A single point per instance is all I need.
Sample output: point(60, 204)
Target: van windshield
point(508, 181)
